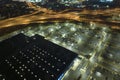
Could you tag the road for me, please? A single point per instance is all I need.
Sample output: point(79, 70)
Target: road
point(42, 15)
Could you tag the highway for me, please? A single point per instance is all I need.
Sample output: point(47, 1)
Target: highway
point(42, 15)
